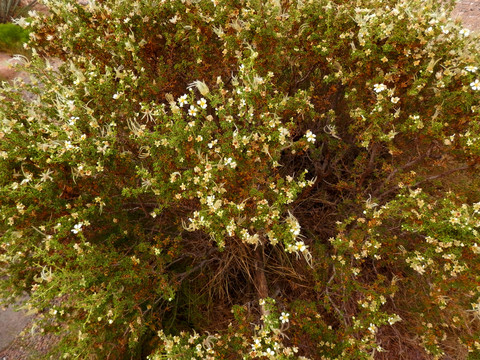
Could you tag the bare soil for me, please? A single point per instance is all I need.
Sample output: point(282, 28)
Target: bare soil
point(469, 12)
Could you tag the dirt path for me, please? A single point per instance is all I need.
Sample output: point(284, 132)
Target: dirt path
point(12, 324)
point(469, 12)
point(6, 72)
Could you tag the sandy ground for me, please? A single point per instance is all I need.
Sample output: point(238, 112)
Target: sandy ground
point(13, 347)
point(6, 71)
point(469, 12)
point(11, 324)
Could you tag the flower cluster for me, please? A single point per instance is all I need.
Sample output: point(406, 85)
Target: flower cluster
point(232, 136)
point(183, 156)
point(266, 341)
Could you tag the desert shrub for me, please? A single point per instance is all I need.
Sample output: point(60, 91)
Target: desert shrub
point(12, 37)
point(245, 179)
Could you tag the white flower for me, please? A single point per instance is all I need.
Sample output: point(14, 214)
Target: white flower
point(73, 120)
point(231, 162)
point(20, 22)
point(294, 225)
point(284, 317)
point(116, 96)
point(290, 248)
point(182, 100)
point(270, 352)
point(192, 111)
point(395, 100)
point(471, 69)
point(310, 136)
point(475, 85)
point(379, 88)
point(202, 103)
point(77, 228)
point(300, 245)
point(465, 32)
point(393, 319)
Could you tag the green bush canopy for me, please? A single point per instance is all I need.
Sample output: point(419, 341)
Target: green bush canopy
point(247, 179)
point(12, 37)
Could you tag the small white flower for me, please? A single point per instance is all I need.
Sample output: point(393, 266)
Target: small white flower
point(475, 85)
point(116, 96)
point(231, 162)
point(202, 103)
point(290, 248)
point(310, 136)
point(192, 111)
point(284, 317)
point(68, 145)
point(395, 100)
point(77, 228)
point(182, 100)
point(471, 68)
point(465, 32)
point(73, 120)
point(270, 352)
point(256, 344)
point(379, 88)
point(300, 245)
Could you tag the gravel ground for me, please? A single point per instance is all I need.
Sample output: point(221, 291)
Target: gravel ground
point(6, 72)
point(469, 12)
point(33, 343)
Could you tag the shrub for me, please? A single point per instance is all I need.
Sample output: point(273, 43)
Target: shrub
point(12, 37)
point(248, 179)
